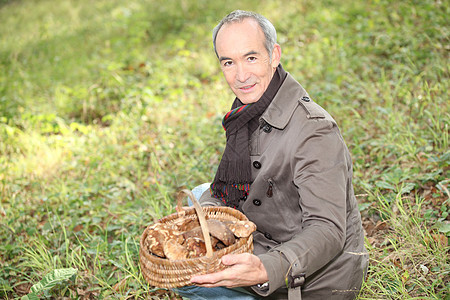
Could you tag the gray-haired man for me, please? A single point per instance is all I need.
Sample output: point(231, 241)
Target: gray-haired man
point(287, 168)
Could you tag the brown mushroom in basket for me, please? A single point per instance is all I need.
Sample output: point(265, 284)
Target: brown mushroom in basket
point(217, 229)
point(157, 235)
point(174, 250)
point(241, 229)
point(220, 231)
point(188, 224)
point(195, 246)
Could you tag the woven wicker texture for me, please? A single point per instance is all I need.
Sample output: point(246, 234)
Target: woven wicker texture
point(165, 273)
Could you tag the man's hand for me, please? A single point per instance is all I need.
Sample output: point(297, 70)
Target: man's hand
point(244, 270)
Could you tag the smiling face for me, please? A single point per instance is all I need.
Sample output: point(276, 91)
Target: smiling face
point(244, 60)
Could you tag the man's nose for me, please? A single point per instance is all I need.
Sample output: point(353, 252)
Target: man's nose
point(241, 73)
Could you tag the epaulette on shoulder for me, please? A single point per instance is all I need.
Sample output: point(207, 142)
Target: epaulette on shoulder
point(313, 110)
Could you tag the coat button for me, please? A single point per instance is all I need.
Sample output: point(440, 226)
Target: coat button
point(257, 164)
point(268, 236)
point(306, 98)
point(257, 202)
point(267, 128)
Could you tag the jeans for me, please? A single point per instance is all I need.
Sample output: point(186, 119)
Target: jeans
point(216, 293)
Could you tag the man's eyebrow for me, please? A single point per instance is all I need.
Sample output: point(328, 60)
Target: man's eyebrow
point(250, 53)
point(222, 58)
point(253, 52)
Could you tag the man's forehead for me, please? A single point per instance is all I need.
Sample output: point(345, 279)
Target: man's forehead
point(242, 37)
point(247, 23)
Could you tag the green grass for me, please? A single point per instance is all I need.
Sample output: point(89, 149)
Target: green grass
point(107, 108)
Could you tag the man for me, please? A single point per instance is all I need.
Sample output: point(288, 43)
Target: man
point(287, 168)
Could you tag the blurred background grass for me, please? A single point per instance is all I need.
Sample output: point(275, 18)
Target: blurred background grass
point(107, 108)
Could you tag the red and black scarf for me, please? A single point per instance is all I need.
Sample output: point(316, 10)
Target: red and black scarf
point(233, 177)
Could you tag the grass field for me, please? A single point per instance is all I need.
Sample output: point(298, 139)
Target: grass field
point(108, 107)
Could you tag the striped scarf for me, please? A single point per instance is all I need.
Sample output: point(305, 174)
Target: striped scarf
point(233, 177)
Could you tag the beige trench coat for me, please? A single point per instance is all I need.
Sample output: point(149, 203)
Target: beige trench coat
point(309, 228)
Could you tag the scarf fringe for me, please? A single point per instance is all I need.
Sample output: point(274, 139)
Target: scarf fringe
point(229, 194)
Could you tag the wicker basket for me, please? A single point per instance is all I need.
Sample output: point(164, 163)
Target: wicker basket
point(165, 273)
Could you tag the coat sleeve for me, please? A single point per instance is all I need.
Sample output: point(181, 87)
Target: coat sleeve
point(320, 172)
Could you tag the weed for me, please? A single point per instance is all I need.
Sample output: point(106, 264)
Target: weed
point(107, 108)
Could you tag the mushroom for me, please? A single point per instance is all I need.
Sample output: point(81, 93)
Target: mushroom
point(241, 228)
point(188, 224)
point(174, 250)
point(217, 230)
point(220, 231)
point(195, 246)
point(158, 234)
point(184, 238)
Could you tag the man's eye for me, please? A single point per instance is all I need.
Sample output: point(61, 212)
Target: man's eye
point(251, 58)
point(227, 63)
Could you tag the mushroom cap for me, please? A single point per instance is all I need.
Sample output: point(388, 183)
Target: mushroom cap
point(175, 251)
point(187, 224)
point(241, 228)
point(158, 234)
point(195, 246)
point(217, 229)
point(220, 231)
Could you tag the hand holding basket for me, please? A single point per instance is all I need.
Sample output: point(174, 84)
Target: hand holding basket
point(176, 269)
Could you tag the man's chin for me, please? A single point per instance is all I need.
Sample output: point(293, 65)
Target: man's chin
point(245, 99)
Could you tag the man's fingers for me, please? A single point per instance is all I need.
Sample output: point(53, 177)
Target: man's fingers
point(207, 279)
point(232, 259)
point(229, 259)
point(240, 268)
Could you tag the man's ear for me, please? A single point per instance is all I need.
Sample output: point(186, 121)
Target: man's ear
point(276, 55)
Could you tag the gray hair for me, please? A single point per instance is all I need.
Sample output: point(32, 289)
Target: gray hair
point(238, 16)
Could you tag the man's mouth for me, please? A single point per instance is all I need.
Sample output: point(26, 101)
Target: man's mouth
point(247, 87)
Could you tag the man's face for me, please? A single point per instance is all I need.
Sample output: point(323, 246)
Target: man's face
point(244, 60)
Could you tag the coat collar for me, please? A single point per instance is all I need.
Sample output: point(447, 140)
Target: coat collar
point(284, 103)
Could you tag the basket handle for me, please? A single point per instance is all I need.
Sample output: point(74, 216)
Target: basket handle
point(201, 218)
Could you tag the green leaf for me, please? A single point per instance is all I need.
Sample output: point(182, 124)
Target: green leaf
point(408, 187)
point(385, 185)
point(49, 281)
point(444, 228)
point(30, 296)
point(364, 206)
